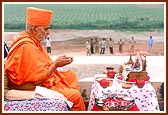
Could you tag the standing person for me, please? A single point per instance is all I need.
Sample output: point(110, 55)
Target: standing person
point(132, 42)
point(120, 44)
point(48, 44)
point(96, 46)
point(103, 45)
point(92, 46)
point(28, 65)
point(150, 43)
point(88, 48)
point(110, 44)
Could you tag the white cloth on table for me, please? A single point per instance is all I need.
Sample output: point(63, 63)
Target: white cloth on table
point(145, 98)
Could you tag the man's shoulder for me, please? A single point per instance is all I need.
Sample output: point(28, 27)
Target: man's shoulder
point(22, 41)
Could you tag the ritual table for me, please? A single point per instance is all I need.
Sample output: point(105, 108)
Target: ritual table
point(145, 98)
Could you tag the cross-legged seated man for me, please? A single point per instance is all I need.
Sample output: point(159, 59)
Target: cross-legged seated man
point(28, 64)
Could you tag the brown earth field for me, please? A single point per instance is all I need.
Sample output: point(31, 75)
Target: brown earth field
point(75, 45)
point(72, 42)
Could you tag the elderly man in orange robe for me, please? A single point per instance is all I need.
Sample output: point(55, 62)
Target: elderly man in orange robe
point(28, 64)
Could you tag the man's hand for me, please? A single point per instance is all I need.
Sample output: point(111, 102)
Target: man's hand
point(62, 61)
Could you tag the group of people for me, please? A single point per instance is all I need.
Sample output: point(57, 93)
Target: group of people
point(93, 46)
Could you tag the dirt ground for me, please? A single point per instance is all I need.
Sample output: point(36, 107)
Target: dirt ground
point(72, 42)
point(79, 49)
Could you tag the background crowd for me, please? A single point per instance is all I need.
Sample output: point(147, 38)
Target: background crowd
point(95, 46)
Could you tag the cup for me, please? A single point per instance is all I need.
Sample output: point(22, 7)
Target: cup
point(111, 73)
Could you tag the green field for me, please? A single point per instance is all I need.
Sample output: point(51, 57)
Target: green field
point(130, 17)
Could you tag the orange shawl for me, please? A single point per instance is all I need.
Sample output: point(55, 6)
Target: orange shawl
point(28, 61)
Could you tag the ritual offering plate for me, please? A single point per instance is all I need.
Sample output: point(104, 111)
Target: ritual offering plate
point(117, 102)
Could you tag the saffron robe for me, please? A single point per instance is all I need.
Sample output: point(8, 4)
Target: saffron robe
point(28, 62)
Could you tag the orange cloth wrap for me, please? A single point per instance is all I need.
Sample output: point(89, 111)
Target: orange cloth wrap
point(28, 61)
point(38, 17)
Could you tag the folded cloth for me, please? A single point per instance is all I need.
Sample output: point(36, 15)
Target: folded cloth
point(42, 92)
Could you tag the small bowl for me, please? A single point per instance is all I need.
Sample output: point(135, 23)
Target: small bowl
point(111, 73)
